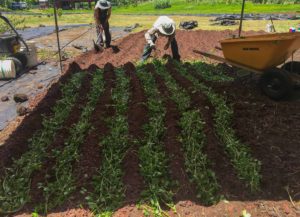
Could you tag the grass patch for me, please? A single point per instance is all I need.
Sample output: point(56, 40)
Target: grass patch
point(147, 21)
point(182, 7)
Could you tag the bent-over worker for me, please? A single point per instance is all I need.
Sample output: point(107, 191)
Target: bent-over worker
point(102, 14)
point(163, 26)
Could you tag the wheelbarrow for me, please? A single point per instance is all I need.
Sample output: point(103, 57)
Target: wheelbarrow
point(263, 54)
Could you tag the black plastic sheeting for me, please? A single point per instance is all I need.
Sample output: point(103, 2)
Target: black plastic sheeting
point(28, 84)
point(31, 33)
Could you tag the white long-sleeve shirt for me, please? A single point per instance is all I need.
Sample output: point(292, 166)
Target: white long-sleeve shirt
point(154, 30)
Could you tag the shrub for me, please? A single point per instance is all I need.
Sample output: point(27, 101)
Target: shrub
point(15, 21)
point(162, 4)
point(59, 12)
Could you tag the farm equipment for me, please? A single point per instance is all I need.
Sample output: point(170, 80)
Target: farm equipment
point(263, 54)
point(15, 57)
point(266, 55)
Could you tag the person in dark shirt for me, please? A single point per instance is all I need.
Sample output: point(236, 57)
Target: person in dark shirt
point(102, 14)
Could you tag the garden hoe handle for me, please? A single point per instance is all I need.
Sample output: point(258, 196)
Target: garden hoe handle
point(96, 44)
point(272, 23)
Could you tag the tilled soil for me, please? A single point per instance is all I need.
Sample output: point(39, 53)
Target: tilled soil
point(130, 48)
point(137, 118)
point(185, 190)
point(269, 128)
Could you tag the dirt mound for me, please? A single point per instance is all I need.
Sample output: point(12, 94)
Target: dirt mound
point(130, 48)
point(269, 129)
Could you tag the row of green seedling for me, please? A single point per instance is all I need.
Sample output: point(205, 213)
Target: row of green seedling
point(193, 140)
point(211, 72)
point(153, 159)
point(15, 185)
point(108, 187)
point(248, 168)
point(58, 190)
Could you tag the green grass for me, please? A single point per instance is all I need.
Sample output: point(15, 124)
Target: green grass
point(147, 21)
point(181, 7)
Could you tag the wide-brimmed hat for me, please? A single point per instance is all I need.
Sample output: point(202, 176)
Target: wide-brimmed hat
point(103, 4)
point(167, 28)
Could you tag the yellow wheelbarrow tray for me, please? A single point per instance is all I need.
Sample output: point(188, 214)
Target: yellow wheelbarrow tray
point(263, 54)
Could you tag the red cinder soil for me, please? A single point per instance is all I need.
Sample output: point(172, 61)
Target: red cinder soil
point(231, 187)
point(58, 143)
point(271, 130)
point(90, 151)
point(137, 117)
point(17, 143)
point(131, 47)
point(184, 191)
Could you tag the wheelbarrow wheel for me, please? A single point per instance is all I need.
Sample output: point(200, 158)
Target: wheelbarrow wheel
point(276, 83)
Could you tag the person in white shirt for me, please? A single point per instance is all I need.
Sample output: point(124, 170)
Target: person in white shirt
point(102, 14)
point(163, 26)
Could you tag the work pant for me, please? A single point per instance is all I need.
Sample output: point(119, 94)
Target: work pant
point(105, 27)
point(148, 49)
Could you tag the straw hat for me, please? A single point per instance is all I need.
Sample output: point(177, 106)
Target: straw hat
point(167, 28)
point(103, 4)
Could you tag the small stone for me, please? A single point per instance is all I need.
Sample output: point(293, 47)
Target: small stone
point(42, 25)
point(33, 72)
point(22, 110)
point(40, 86)
point(20, 97)
point(4, 98)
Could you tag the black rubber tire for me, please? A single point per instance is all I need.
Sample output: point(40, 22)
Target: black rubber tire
point(22, 57)
point(293, 66)
point(18, 64)
point(276, 83)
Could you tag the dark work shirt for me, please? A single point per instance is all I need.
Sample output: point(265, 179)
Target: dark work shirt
point(103, 15)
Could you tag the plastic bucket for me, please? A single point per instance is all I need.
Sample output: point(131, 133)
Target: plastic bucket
point(31, 55)
point(7, 69)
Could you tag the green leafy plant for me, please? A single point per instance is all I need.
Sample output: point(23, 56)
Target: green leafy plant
point(247, 167)
point(193, 139)
point(153, 160)
point(15, 185)
point(108, 186)
point(58, 191)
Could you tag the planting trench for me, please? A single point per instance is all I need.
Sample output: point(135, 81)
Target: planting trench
point(184, 191)
point(227, 178)
point(90, 151)
point(137, 118)
point(46, 173)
